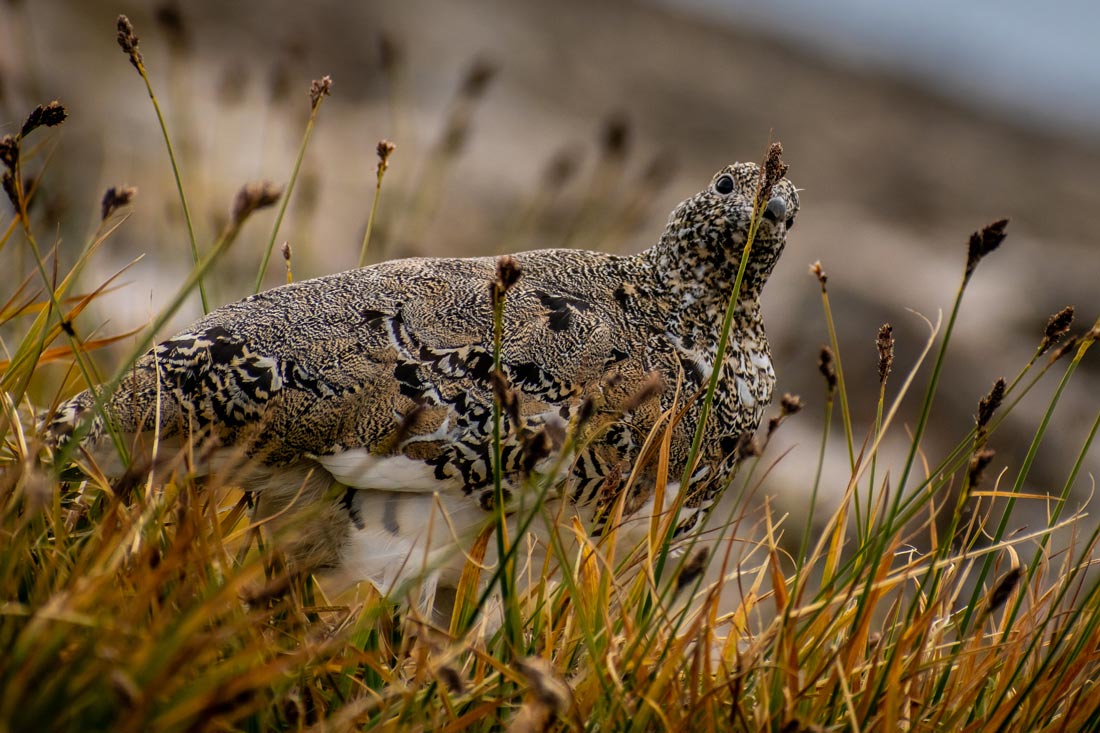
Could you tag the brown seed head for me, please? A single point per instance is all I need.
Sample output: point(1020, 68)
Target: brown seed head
point(115, 198)
point(1057, 327)
point(983, 242)
point(615, 136)
point(989, 404)
point(477, 78)
point(1001, 592)
point(253, 196)
point(747, 447)
point(651, 387)
point(885, 345)
point(9, 151)
point(819, 272)
point(8, 182)
point(586, 410)
point(286, 252)
point(827, 367)
point(561, 168)
point(318, 89)
point(452, 678)
point(48, 115)
point(408, 423)
point(790, 404)
point(385, 150)
point(978, 463)
point(692, 569)
point(128, 41)
point(1067, 346)
point(536, 447)
point(390, 53)
point(505, 396)
point(772, 171)
point(548, 688)
point(508, 274)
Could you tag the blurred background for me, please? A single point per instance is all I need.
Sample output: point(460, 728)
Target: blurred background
point(521, 125)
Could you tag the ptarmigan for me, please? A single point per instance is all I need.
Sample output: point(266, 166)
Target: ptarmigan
point(365, 398)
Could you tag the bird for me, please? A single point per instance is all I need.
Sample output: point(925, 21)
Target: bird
point(363, 401)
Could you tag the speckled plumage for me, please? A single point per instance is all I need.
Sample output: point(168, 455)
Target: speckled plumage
point(379, 379)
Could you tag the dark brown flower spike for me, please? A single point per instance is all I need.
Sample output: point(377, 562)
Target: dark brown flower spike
point(692, 569)
point(772, 171)
point(650, 388)
point(128, 42)
point(885, 345)
point(819, 272)
point(1057, 327)
point(115, 198)
point(319, 89)
point(253, 196)
point(1001, 592)
point(47, 115)
point(508, 274)
point(615, 136)
point(477, 78)
point(827, 368)
point(978, 463)
point(989, 404)
point(385, 150)
point(983, 242)
point(9, 151)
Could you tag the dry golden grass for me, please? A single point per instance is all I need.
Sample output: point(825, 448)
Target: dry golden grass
point(153, 602)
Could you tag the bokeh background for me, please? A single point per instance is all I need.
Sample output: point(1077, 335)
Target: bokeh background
point(521, 125)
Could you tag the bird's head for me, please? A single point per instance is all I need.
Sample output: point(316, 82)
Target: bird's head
point(708, 231)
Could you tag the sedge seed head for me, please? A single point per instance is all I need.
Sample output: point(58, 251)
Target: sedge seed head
point(385, 150)
point(989, 404)
point(390, 52)
point(561, 168)
point(477, 78)
point(128, 41)
point(978, 463)
point(819, 272)
point(983, 242)
point(1003, 590)
point(9, 151)
point(827, 366)
point(254, 196)
point(8, 182)
point(318, 89)
point(772, 171)
point(1057, 327)
point(508, 274)
point(115, 198)
point(651, 387)
point(790, 404)
point(692, 569)
point(615, 136)
point(885, 345)
point(44, 115)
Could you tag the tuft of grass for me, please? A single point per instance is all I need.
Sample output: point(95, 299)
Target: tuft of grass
point(156, 603)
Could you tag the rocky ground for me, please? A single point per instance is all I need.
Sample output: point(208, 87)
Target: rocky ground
point(581, 124)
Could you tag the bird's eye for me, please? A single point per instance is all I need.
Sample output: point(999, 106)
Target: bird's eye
point(790, 223)
point(724, 185)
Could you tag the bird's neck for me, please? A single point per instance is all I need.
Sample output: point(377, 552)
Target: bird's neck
point(697, 276)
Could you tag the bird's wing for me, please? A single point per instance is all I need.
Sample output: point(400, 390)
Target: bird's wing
point(382, 375)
